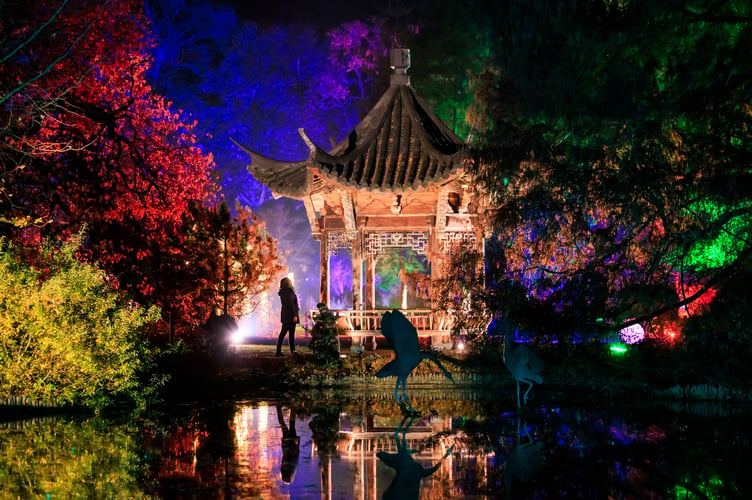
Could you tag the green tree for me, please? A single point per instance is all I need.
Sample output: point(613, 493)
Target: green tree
point(67, 337)
point(615, 141)
point(325, 339)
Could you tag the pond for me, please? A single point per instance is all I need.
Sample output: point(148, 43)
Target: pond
point(332, 445)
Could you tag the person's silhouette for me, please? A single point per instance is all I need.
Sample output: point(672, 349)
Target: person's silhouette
point(290, 446)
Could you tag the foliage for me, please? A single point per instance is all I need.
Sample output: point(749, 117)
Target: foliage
point(285, 77)
point(615, 144)
point(97, 135)
point(452, 41)
point(82, 458)
point(86, 141)
point(67, 336)
point(286, 220)
point(399, 271)
point(325, 339)
point(358, 49)
point(325, 430)
point(237, 257)
point(458, 290)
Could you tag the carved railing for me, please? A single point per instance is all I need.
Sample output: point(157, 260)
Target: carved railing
point(367, 323)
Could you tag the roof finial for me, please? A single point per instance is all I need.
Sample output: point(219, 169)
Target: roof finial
point(399, 60)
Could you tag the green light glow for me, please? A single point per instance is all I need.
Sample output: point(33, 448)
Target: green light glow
point(709, 489)
point(618, 349)
point(726, 246)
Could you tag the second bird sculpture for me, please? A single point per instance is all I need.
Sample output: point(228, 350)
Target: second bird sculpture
point(523, 364)
point(403, 338)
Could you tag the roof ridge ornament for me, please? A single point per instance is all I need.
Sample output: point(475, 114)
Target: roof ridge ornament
point(399, 61)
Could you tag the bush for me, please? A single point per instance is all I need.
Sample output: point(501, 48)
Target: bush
point(66, 337)
point(325, 339)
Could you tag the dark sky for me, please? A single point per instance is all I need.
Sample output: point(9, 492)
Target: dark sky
point(324, 14)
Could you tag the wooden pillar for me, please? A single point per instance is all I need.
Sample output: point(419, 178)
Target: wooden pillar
point(437, 251)
point(357, 286)
point(324, 270)
point(370, 342)
point(357, 271)
point(370, 291)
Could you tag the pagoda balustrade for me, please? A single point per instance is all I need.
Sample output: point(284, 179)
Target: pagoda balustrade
point(360, 324)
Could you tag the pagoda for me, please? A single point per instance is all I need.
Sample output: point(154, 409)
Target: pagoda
point(397, 183)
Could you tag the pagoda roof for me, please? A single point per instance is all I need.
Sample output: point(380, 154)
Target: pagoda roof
point(400, 145)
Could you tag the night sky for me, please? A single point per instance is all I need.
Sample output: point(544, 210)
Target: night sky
point(323, 14)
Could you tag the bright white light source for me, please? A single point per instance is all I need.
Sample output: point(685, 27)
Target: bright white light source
point(632, 334)
point(237, 336)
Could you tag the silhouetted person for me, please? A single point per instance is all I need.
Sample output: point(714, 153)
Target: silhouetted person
point(289, 314)
point(290, 446)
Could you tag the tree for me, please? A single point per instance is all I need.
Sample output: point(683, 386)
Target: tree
point(246, 260)
point(260, 83)
point(86, 142)
point(616, 145)
point(66, 336)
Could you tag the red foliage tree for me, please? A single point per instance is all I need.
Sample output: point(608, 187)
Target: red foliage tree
point(85, 142)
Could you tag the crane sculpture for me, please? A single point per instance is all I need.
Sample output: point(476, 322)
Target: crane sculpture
point(524, 461)
point(523, 364)
point(403, 339)
point(406, 484)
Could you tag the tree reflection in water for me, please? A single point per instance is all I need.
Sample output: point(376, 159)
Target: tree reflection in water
point(349, 449)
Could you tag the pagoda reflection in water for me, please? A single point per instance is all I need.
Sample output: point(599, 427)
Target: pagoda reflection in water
point(354, 470)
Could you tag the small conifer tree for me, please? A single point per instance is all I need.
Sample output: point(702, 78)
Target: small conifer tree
point(325, 338)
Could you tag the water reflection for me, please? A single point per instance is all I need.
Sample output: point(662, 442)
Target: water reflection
point(409, 473)
point(525, 460)
point(290, 446)
point(362, 448)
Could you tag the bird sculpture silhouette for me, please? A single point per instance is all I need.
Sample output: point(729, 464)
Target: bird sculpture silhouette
point(403, 339)
point(523, 364)
point(406, 484)
point(525, 461)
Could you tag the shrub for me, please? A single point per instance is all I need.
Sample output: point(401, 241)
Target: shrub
point(325, 338)
point(66, 336)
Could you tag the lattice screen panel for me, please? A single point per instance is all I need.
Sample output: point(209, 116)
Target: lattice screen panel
point(450, 238)
point(377, 241)
point(337, 241)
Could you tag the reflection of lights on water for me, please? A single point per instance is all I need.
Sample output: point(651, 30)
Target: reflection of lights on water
point(632, 334)
point(257, 449)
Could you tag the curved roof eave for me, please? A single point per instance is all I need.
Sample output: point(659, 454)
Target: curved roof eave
point(437, 142)
point(284, 178)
